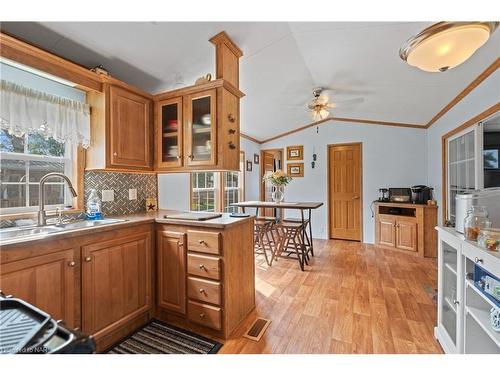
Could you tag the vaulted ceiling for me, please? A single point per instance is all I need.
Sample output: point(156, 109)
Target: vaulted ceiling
point(281, 65)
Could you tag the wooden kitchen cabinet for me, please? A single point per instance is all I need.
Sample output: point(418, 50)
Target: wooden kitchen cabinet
point(198, 128)
point(48, 281)
point(116, 282)
point(171, 270)
point(209, 282)
point(121, 128)
point(408, 227)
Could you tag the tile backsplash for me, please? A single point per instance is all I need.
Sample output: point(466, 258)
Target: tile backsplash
point(120, 183)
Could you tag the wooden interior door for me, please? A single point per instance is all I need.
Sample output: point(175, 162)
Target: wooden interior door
point(271, 160)
point(116, 282)
point(48, 282)
point(406, 235)
point(345, 203)
point(171, 271)
point(129, 129)
point(386, 231)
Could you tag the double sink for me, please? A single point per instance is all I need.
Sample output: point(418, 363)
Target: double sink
point(20, 233)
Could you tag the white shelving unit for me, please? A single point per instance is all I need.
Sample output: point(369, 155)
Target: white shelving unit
point(463, 324)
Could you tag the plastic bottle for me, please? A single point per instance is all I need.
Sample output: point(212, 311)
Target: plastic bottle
point(94, 206)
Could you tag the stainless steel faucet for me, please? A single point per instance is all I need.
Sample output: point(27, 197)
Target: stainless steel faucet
point(42, 216)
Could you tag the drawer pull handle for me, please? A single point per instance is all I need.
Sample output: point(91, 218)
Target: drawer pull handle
point(202, 267)
point(478, 260)
point(88, 259)
point(202, 242)
point(71, 264)
point(202, 315)
point(202, 291)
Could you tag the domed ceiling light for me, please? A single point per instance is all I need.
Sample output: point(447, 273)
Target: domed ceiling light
point(446, 45)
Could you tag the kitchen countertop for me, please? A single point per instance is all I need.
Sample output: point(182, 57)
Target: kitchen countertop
point(222, 222)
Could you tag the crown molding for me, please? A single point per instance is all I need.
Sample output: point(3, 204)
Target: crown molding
point(252, 139)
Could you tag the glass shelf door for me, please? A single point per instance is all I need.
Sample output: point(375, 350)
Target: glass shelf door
point(170, 146)
point(201, 123)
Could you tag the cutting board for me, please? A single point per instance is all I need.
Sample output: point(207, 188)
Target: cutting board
point(200, 216)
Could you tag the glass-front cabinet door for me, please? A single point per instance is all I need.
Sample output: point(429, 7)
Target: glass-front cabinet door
point(170, 133)
point(200, 120)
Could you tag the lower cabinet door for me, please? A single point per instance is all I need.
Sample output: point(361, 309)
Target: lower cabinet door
point(406, 235)
point(171, 270)
point(116, 282)
point(386, 235)
point(47, 282)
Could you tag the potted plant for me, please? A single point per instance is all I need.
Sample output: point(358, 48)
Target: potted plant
point(279, 180)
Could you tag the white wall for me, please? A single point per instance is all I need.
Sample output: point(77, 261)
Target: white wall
point(392, 157)
point(481, 98)
point(173, 188)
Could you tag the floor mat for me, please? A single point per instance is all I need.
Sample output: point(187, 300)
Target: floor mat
point(161, 338)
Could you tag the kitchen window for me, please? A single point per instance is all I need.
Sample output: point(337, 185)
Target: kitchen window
point(24, 160)
point(216, 191)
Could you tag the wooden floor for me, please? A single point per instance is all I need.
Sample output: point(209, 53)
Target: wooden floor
point(353, 298)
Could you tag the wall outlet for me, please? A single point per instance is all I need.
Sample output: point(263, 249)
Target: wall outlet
point(132, 194)
point(108, 195)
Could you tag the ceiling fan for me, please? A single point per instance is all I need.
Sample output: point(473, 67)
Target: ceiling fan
point(321, 104)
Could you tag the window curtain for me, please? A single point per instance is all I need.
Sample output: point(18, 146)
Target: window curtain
point(24, 110)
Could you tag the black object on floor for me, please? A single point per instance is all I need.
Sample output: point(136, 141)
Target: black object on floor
point(160, 338)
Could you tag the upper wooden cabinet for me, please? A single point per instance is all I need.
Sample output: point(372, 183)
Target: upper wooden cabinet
point(121, 129)
point(198, 128)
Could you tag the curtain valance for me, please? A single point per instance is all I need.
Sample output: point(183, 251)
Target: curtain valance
point(24, 110)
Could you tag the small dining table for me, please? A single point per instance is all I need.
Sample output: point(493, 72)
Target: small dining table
point(302, 206)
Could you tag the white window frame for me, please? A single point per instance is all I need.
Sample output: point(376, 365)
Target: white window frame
point(215, 189)
point(68, 171)
point(478, 162)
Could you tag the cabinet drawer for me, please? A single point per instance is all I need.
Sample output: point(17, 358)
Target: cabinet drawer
point(204, 266)
point(206, 315)
point(481, 257)
point(204, 290)
point(204, 242)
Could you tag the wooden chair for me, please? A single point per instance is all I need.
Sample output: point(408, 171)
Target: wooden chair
point(264, 239)
point(291, 242)
point(307, 230)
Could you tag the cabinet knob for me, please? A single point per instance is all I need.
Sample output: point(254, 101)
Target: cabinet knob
point(456, 302)
point(232, 146)
point(478, 260)
point(202, 315)
point(191, 157)
point(179, 157)
point(115, 154)
point(355, 197)
point(202, 291)
point(201, 242)
point(231, 118)
point(88, 259)
point(202, 267)
point(71, 264)
point(231, 131)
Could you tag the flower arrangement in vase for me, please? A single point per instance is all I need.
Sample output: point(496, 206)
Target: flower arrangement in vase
point(279, 180)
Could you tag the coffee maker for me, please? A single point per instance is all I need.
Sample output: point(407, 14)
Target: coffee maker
point(420, 194)
point(383, 195)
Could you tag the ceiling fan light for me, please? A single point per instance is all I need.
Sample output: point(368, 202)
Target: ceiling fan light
point(446, 45)
point(320, 114)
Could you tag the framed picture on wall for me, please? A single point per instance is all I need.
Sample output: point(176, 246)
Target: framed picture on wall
point(295, 152)
point(490, 158)
point(295, 169)
point(249, 166)
point(256, 158)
